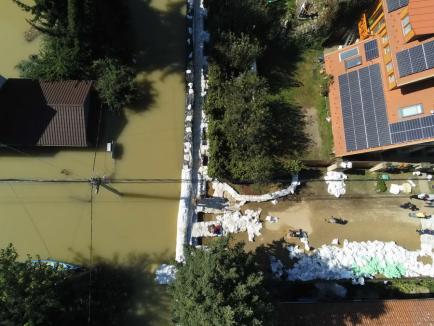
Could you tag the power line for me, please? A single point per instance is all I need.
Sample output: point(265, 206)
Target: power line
point(36, 158)
point(29, 216)
point(175, 180)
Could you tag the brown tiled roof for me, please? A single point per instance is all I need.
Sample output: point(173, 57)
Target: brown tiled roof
point(36, 113)
point(66, 128)
point(370, 313)
point(68, 92)
point(421, 13)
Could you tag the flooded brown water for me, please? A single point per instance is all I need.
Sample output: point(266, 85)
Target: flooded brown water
point(14, 47)
point(54, 220)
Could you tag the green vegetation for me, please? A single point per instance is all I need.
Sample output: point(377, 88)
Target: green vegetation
point(78, 37)
point(413, 286)
point(34, 293)
point(30, 293)
point(306, 89)
point(253, 131)
point(220, 286)
point(116, 85)
point(380, 185)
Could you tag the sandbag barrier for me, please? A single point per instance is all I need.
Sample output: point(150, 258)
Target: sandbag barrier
point(186, 209)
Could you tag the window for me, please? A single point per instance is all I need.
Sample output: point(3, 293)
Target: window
point(353, 62)
point(385, 38)
point(391, 79)
point(348, 54)
point(407, 29)
point(389, 66)
point(411, 110)
point(387, 49)
point(378, 26)
point(406, 26)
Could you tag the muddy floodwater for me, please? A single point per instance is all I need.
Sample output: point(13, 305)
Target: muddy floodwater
point(59, 220)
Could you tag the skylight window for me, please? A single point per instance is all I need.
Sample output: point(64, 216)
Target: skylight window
point(348, 54)
point(410, 111)
point(353, 62)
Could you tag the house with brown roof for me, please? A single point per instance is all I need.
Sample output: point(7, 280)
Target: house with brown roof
point(409, 312)
point(382, 91)
point(39, 113)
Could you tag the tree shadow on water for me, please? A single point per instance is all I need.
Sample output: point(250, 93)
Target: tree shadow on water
point(123, 293)
point(158, 36)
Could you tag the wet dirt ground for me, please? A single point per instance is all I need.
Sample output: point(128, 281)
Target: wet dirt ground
point(368, 219)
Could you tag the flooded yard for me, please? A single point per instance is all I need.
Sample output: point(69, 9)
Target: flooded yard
point(56, 219)
point(14, 46)
point(368, 219)
point(370, 215)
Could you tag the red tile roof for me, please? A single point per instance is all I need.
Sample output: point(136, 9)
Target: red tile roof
point(413, 89)
point(385, 313)
point(421, 14)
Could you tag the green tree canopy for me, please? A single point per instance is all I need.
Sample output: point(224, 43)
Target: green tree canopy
point(48, 16)
point(115, 85)
point(29, 292)
point(54, 62)
point(237, 52)
point(220, 286)
point(83, 39)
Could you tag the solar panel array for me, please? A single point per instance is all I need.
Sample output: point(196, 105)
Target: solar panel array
point(414, 129)
point(393, 5)
point(364, 109)
point(371, 50)
point(416, 59)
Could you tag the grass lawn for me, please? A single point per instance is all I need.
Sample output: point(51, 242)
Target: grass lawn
point(305, 92)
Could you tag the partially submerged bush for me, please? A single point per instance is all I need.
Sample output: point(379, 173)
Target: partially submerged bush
point(381, 185)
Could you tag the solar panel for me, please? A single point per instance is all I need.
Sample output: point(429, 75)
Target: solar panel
point(427, 121)
point(347, 113)
point(413, 129)
point(399, 137)
point(365, 115)
point(364, 109)
point(404, 64)
point(414, 134)
point(429, 54)
point(379, 104)
point(371, 50)
point(417, 59)
point(428, 132)
point(393, 5)
point(353, 62)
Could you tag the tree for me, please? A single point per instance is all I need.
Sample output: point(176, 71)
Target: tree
point(29, 292)
point(220, 286)
point(242, 138)
point(48, 16)
point(56, 61)
point(76, 33)
point(115, 85)
point(237, 52)
point(293, 166)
